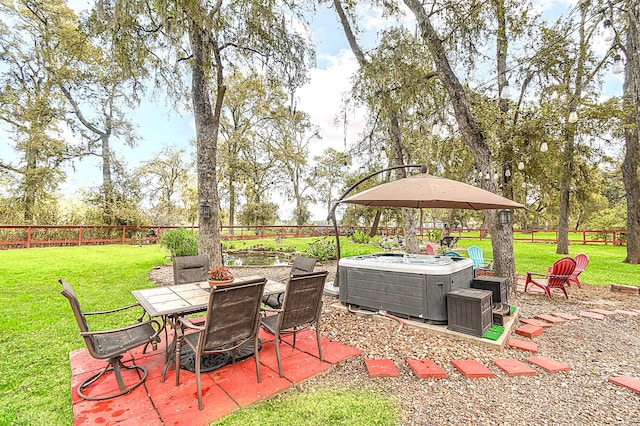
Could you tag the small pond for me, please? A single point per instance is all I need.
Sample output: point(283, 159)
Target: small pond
point(257, 259)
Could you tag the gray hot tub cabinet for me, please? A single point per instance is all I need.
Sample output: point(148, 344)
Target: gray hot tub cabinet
point(417, 291)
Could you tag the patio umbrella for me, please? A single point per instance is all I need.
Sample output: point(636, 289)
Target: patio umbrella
point(427, 191)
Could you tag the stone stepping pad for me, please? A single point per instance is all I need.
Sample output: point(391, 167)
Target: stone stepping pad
point(627, 381)
point(426, 368)
point(529, 331)
point(548, 364)
point(472, 369)
point(568, 317)
point(604, 312)
point(630, 313)
point(592, 315)
point(550, 318)
point(536, 322)
point(513, 367)
point(381, 368)
point(524, 345)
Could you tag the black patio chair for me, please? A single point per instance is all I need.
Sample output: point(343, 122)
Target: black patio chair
point(301, 308)
point(190, 269)
point(449, 241)
point(233, 319)
point(112, 344)
point(300, 265)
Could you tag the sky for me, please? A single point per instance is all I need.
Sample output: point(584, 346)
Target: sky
point(160, 126)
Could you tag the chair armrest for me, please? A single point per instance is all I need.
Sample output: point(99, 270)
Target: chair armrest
point(113, 310)
point(188, 324)
point(129, 327)
point(538, 274)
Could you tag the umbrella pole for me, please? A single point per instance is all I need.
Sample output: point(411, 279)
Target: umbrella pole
point(332, 215)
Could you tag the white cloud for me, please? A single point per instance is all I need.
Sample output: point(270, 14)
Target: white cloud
point(322, 99)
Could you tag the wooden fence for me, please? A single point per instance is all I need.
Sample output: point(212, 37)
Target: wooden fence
point(27, 236)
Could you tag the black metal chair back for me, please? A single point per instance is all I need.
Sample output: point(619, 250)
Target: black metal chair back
point(232, 321)
point(111, 344)
point(190, 269)
point(301, 308)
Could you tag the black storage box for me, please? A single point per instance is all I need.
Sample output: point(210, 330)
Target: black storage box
point(469, 311)
point(497, 285)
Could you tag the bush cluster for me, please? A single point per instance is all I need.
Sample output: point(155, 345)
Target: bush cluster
point(180, 242)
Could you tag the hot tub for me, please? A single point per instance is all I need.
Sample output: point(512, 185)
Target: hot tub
point(409, 285)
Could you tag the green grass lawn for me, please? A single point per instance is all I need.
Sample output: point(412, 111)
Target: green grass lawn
point(605, 262)
point(38, 329)
point(38, 332)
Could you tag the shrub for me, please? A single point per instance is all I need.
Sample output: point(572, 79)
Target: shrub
point(389, 243)
point(432, 234)
point(322, 249)
point(180, 242)
point(360, 237)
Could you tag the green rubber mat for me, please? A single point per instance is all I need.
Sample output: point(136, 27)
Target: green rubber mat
point(494, 332)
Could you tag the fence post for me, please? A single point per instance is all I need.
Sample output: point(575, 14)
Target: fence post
point(124, 229)
point(80, 236)
point(29, 237)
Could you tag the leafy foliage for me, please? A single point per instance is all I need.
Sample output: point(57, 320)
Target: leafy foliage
point(259, 213)
point(322, 249)
point(180, 242)
point(360, 236)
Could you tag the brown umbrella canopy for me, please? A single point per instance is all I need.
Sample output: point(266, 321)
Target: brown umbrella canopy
point(426, 191)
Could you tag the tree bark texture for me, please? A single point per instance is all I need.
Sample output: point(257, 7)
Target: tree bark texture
point(501, 235)
point(206, 139)
point(562, 246)
point(397, 157)
point(631, 162)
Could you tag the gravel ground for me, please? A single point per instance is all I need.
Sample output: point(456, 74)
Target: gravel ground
point(595, 350)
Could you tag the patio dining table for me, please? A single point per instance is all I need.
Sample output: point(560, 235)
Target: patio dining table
point(175, 301)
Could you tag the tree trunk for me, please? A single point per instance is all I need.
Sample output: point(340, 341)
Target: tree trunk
point(232, 205)
point(569, 144)
point(206, 122)
point(408, 221)
point(374, 227)
point(631, 95)
point(410, 240)
point(501, 235)
point(565, 192)
point(107, 183)
point(30, 191)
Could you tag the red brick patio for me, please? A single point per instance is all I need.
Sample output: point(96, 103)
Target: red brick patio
point(224, 390)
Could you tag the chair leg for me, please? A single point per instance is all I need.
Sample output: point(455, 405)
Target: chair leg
point(277, 342)
point(318, 340)
point(564, 290)
point(114, 365)
point(198, 383)
point(177, 355)
point(255, 354)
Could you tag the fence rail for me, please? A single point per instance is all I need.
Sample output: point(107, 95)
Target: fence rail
point(28, 236)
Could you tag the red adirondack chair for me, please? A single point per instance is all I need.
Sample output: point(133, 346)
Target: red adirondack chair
point(430, 250)
point(558, 278)
point(582, 260)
